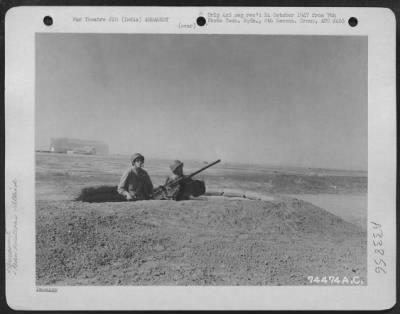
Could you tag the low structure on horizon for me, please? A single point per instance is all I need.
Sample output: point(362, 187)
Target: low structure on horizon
point(77, 146)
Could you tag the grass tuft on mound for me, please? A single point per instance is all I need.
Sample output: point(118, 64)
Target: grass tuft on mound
point(99, 194)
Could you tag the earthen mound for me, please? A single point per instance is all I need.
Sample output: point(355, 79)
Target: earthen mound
point(195, 242)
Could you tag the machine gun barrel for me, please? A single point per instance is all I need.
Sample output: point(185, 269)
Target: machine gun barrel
point(161, 190)
point(202, 169)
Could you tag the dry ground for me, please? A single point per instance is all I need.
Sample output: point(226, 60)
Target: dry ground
point(208, 241)
point(203, 242)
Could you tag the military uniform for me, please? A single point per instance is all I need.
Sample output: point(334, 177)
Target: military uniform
point(185, 188)
point(136, 182)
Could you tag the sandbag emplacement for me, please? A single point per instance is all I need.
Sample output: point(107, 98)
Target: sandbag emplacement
point(252, 195)
point(214, 192)
point(100, 194)
point(233, 193)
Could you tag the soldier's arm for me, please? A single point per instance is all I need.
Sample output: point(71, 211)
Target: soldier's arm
point(123, 183)
point(149, 183)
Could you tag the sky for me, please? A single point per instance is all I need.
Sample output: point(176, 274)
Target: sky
point(276, 100)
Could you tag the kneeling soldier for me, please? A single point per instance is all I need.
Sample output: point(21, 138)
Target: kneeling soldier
point(135, 183)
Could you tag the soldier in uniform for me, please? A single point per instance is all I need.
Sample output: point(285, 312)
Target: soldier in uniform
point(135, 183)
point(185, 188)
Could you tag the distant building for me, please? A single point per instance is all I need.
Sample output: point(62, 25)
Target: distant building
point(76, 146)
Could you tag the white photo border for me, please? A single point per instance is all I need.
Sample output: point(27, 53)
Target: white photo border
point(21, 25)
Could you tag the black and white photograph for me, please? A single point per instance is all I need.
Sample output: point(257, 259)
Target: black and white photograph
point(123, 120)
point(166, 154)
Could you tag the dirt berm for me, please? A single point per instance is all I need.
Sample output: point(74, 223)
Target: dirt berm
point(197, 242)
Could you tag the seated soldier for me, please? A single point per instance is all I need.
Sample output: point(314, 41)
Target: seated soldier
point(186, 187)
point(135, 183)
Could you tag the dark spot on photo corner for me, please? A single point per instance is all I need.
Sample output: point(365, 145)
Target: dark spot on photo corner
point(353, 21)
point(201, 21)
point(48, 20)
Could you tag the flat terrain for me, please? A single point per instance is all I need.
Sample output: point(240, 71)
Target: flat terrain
point(205, 241)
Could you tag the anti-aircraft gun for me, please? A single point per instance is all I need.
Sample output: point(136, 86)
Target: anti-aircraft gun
point(163, 191)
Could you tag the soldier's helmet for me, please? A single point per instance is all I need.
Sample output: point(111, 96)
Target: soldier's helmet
point(175, 164)
point(136, 156)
